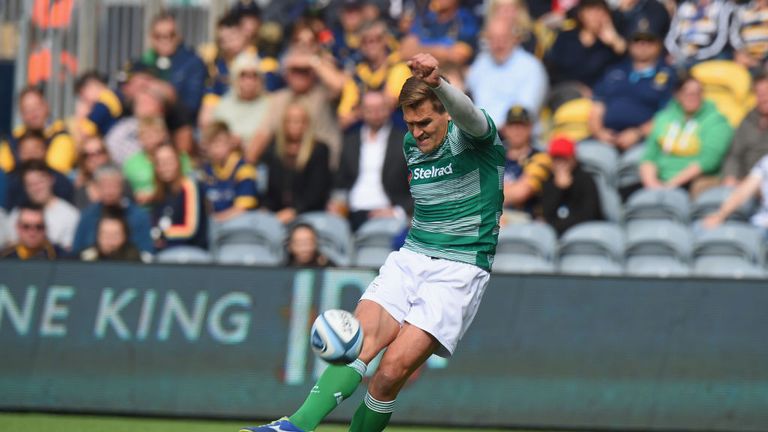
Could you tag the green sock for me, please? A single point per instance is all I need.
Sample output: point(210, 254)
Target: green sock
point(335, 384)
point(372, 415)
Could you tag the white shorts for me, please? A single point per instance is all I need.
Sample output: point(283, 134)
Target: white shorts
point(438, 296)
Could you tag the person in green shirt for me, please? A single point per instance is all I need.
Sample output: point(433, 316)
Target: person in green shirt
point(688, 141)
point(427, 293)
point(138, 169)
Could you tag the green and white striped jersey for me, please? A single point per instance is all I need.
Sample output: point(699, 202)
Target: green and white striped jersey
point(458, 196)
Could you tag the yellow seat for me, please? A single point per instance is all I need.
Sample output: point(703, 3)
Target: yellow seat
point(571, 119)
point(727, 84)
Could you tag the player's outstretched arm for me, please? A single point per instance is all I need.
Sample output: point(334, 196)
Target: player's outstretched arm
point(464, 113)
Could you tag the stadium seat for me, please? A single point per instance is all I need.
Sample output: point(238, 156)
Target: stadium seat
point(5, 227)
point(373, 241)
point(571, 119)
point(334, 235)
point(589, 265)
point(603, 239)
point(722, 266)
point(629, 166)
point(709, 202)
point(535, 239)
point(610, 200)
point(670, 241)
point(732, 239)
point(248, 254)
point(184, 255)
point(655, 266)
point(658, 205)
point(599, 158)
point(257, 228)
point(521, 263)
point(727, 84)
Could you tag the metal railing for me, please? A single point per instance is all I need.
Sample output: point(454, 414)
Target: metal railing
point(100, 34)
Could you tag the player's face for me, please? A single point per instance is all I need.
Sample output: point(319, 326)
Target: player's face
point(427, 125)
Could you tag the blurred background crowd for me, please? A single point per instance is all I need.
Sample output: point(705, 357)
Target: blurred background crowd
point(279, 141)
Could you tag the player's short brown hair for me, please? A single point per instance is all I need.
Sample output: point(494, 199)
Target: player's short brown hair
point(415, 92)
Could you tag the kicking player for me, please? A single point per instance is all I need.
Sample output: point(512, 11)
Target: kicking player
point(427, 293)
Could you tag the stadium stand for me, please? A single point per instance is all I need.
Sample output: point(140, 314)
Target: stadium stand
point(334, 234)
point(374, 239)
point(257, 236)
point(184, 255)
point(657, 205)
point(710, 200)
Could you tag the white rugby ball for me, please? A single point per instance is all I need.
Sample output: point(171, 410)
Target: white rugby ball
point(337, 337)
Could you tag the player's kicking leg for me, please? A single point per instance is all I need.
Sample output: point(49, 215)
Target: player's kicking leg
point(339, 382)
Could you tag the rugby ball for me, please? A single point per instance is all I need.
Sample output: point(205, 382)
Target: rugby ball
point(337, 337)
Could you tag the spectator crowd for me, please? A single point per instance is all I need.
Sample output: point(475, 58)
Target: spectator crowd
point(292, 110)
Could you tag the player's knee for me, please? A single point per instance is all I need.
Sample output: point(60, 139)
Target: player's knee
point(390, 377)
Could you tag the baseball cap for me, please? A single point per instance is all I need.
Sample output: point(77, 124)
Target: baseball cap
point(518, 114)
point(562, 147)
point(644, 29)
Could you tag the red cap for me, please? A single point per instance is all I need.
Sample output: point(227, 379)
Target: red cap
point(562, 147)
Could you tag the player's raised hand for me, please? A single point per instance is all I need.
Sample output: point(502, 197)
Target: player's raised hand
point(426, 68)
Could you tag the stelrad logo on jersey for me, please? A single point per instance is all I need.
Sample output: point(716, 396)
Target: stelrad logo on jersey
point(425, 173)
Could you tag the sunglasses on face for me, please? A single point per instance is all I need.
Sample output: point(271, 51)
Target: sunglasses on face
point(94, 153)
point(32, 227)
point(169, 35)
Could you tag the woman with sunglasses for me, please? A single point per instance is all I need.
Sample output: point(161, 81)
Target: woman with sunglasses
point(93, 155)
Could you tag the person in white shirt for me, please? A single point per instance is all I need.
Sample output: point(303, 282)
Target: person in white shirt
point(372, 180)
point(61, 217)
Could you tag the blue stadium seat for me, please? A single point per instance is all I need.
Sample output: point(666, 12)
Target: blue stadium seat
point(628, 169)
point(248, 254)
point(521, 263)
point(727, 266)
point(334, 235)
point(658, 205)
point(184, 255)
point(534, 238)
point(599, 158)
point(257, 228)
point(597, 238)
point(710, 200)
point(732, 239)
point(373, 241)
point(589, 265)
point(670, 241)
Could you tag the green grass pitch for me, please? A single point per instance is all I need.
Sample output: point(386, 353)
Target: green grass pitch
point(73, 423)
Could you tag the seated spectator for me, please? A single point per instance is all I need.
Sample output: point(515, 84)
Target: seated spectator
point(315, 83)
point(756, 183)
point(111, 193)
point(750, 141)
point(446, 30)
point(347, 34)
point(31, 234)
point(175, 63)
point(231, 41)
point(527, 167)
point(35, 112)
point(628, 13)
point(302, 248)
point(249, 15)
point(138, 169)
point(516, 14)
point(379, 69)
point(506, 61)
point(630, 93)
point(93, 154)
point(245, 107)
point(582, 54)
point(699, 31)
point(372, 173)
point(31, 147)
point(112, 239)
point(570, 196)
point(122, 139)
point(178, 209)
point(230, 181)
point(103, 106)
point(299, 176)
point(61, 217)
point(689, 140)
point(748, 34)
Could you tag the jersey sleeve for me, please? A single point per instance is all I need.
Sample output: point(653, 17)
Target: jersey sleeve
point(486, 140)
point(245, 188)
